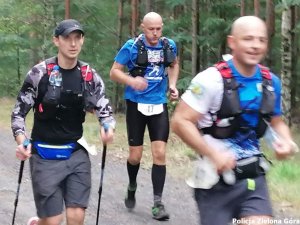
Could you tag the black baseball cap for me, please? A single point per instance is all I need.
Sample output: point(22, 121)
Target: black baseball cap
point(65, 27)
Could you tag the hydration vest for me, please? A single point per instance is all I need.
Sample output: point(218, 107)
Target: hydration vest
point(228, 119)
point(142, 56)
point(48, 104)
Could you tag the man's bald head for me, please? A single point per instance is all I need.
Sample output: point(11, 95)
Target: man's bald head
point(152, 17)
point(248, 42)
point(152, 26)
point(245, 23)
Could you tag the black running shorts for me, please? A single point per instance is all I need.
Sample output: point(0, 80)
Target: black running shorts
point(59, 182)
point(158, 125)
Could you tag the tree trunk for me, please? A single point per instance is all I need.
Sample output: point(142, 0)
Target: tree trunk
point(204, 51)
point(295, 56)
point(270, 21)
point(118, 103)
point(243, 10)
point(120, 22)
point(149, 6)
point(134, 17)
point(195, 34)
point(178, 11)
point(286, 47)
point(256, 7)
point(67, 9)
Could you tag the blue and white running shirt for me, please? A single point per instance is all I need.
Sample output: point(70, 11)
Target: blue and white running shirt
point(155, 73)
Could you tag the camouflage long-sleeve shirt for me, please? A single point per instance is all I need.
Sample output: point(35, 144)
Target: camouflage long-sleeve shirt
point(27, 99)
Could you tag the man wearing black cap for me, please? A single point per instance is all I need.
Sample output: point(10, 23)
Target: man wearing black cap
point(61, 90)
point(68, 26)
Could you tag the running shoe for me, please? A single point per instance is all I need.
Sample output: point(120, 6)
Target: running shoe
point(33, 221)
point(130, 197)
point(159, 212)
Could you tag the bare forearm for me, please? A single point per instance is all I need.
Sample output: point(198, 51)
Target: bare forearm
point(173, 73)
point(190, 135)
point(120, 76)
point(183, 123)
point(20, 139)
point(282, 129)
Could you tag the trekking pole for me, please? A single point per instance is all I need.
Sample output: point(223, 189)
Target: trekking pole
point(25, 144)
point(102, 174)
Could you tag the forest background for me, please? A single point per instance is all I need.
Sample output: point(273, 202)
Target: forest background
point(199, 27)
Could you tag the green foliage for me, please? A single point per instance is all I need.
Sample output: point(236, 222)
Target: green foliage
point(171, 106)
point(225, 9)
point(100, 38)
point(174, 3)
point(22, 31)
point(285, 3)
point(8, 86)
point(26, 29)
point(284, 176)
point(183, 83)
point(285, 171)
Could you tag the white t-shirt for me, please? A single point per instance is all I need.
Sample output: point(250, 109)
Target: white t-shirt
point(205, 94)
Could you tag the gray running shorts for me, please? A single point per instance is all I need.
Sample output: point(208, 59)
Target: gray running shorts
point(222, 203)
point(59, 183)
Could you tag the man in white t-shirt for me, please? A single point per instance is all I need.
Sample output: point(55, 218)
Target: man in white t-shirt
point(222, 115)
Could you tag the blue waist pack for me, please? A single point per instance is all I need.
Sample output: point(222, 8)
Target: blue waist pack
point(54, 152)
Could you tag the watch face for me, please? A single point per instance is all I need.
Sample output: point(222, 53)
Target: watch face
point(19, 133)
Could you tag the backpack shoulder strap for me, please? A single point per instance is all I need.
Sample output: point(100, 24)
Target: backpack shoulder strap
point(50, 63)
point(141, 48)
point(230, 105)
point(169, 55)
point(265, 71)
point(267, 78)
point(140, 44)
point(165, 42)
point(226, 73)
point(86, 71)
point(224, 69)
point(43, 82)
point(141, 61)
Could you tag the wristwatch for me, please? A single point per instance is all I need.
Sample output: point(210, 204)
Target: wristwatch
point(19, 133)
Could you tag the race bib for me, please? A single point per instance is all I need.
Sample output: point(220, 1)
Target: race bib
point(150, 109)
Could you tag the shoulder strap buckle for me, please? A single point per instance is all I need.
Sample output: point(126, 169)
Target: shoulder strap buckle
point(86, 73)
point(224, 69)
point(265, 71)
point(50, 63)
